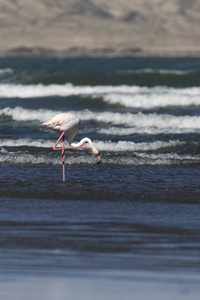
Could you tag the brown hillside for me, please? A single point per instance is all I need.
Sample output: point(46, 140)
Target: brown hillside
point(100, 27)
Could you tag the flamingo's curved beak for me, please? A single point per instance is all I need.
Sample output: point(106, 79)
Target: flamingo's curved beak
point(98, 159)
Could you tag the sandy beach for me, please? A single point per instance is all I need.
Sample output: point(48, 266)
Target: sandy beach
point(99, 28)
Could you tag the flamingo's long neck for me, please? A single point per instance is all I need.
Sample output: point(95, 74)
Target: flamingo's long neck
point(84, 140)
point(95, 151)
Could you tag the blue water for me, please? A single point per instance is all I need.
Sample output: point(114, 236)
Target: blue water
point(136, 215)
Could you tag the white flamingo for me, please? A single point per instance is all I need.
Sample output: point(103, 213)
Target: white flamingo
point(68, 123)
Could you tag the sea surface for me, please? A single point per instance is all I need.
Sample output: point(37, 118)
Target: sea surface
point(128, 228)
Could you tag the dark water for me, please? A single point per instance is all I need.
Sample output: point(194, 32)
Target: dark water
point(134, 216)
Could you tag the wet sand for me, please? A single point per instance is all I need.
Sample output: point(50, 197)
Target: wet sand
point(100, 286)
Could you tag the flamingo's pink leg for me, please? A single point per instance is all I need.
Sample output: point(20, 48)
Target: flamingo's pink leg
point(65, 148)
point(63, 156)
point(54, 147)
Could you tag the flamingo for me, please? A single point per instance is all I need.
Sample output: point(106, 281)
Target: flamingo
point(68, 123)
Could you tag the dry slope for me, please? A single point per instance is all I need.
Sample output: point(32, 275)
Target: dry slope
point(100, 27)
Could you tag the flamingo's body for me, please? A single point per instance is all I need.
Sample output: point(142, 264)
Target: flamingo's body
point(70, 124)
point(66, 122)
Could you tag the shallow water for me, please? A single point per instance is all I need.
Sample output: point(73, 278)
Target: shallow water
point(130, 222)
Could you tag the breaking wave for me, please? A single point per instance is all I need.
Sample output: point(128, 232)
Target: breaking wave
point(6, 71)
point(113, 153)
point(134, 123)
point(156, 71)
point(137, 159)
point(119, 146)
point(124, 95)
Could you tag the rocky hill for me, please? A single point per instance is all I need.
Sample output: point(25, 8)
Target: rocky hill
point(100, 27)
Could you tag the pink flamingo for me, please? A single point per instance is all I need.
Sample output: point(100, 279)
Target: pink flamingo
point(68, 123)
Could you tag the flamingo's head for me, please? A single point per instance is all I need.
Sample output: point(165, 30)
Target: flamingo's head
point(95, 152)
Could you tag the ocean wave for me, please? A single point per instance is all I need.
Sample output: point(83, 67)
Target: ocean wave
point(113, 153)
point(140, 121)
point(6, 71)
point(156, 71)
point(139, 158)
point(154, 99)
point(27, 142)
point(166, 159)
point(68, 89)
point(124, 146)
point(119, 146)
point(145, 130)
point(19, 113)
point(128, 96)
point(41, 159)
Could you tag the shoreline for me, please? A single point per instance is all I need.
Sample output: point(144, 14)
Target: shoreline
point(90, 285)
point(40, 52)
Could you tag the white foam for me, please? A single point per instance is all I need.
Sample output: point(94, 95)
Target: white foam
point(121, 131)
point(6, 71)
point(2, 150)
point(129, 96)
point(24, 114)
point(165, 159)
point(165, 120)
point(156, 71)
point(139, 122)
point(27, 142)
point(152, 100)
point(120, 146)
point(26, 158)
point(101, 145)
point(40, 90)
point(124, 146)
point(140, 158)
